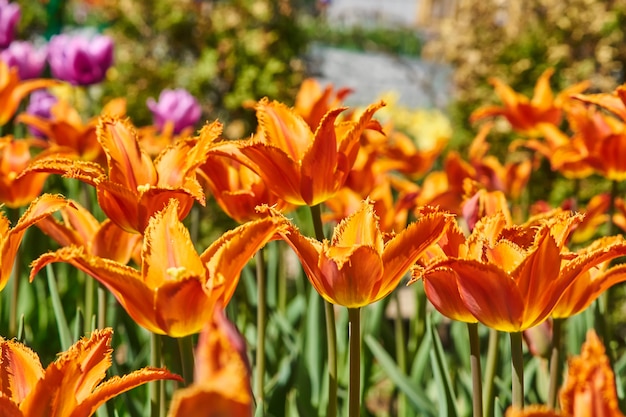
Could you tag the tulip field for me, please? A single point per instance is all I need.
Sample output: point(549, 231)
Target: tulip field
point(328, 260)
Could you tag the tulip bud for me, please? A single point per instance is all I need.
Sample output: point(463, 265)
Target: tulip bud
point(177, 107)
point(9, 15)
point(30, 61)
point(80, 59)
point(40, 105)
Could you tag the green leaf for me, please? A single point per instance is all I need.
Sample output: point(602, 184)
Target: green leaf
point(418, 399)
point(441, 373)
point(65, 335)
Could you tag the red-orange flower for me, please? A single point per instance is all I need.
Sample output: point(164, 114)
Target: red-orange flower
point(135, 187)
point(606, 136)
point(13, 90)
point(69, 386)
point(360, 265)
point(237, 189)
point(67, 133)
point(79, 227)
point(511, 277)
point(313, 102)
point(11, 238)
point(589, 389)
point(176, 289)
point(526, 114)
point(299, 166)
point(221, 385)
point(591, 284)
point(18, 190)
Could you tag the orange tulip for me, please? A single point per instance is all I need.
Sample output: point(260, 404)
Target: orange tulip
point(591, 284)
point(13, 90)
point(237, 189)
point(136, 187)
point(81, 228)
point(511, 277)
point(176, 289)
point(360, 265)
point(299, 166)
point(589, 389)
point(440, 284)
point(605, 136)
point(221, 385)
point(312, 103)
point(526, 114)
point(18, 190)
point(67, 133)
point(11, 238)
point(71, 385)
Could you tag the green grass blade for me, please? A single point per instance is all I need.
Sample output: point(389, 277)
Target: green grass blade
point(414, 394)
point(65, 335)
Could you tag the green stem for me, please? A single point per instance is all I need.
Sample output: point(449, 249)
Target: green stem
point(555, 362)
point(400, 352)
point(185, 348)
point(102, 307)
point(331, 332)
point(90, 291)
point(601, 306)
point(156, 360)
point(477, 394)
point(493, 350)
point(517, 368)
point(15, 273)
point(282, 283)
point(260, 323)
point(354, 402)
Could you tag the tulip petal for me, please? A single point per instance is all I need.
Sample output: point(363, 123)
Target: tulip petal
point(71, 377)
point(112, 242)
point(183, 307)
point(349, 143)
point(319, 179)
point(590, 382)
point(280, 173)
point(532, 411)
point(404, 249)
point(227, 256)
point(10, 243)
point(440, 286)
point(85, 171)
point(353, 282)
point(481, 284)
point(168, 254)
point(178, 163)
point(123, 281)
point(128, 164)
point(118, 385)
point(283, 128)
point(8, 408)
point(20, 369)
point(360, 228)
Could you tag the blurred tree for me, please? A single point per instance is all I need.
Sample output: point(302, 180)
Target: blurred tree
point(582, 39)
point(224, 52)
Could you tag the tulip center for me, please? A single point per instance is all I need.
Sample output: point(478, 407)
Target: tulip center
point(143, 188)
point(176, 272)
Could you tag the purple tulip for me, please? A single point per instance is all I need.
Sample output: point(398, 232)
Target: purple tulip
point(80, 59)
point(9, 15)
point(40, 105)
point(176, 106)
point(28, 60)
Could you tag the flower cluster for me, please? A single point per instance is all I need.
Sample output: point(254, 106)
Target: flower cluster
point(129, 210)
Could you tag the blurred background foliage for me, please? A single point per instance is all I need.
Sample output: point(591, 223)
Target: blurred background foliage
point(517, 41)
